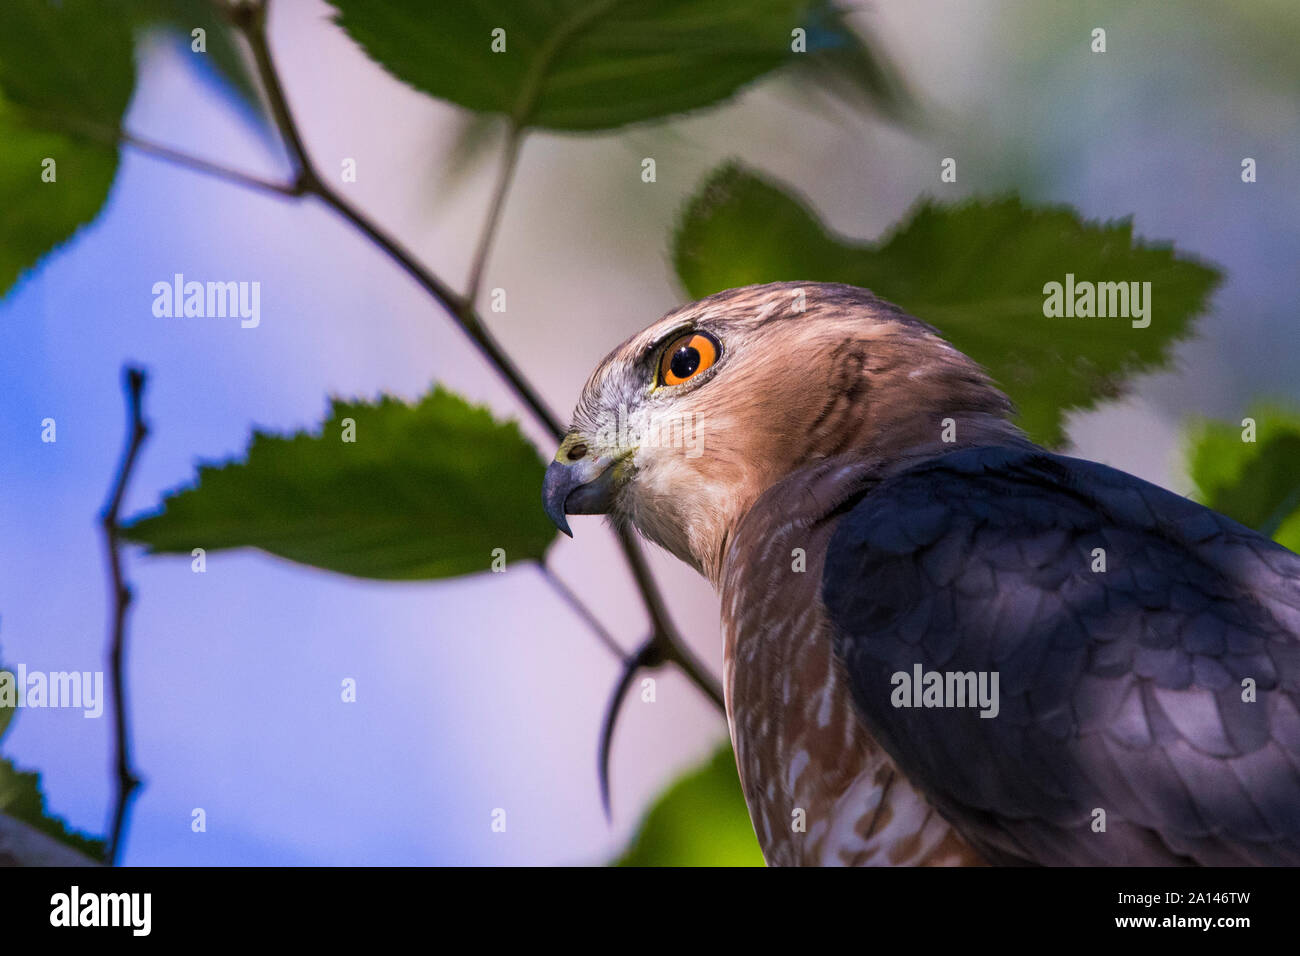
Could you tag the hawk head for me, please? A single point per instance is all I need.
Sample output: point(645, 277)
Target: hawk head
point(683, 426)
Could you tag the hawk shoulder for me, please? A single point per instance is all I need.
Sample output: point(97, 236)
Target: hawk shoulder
point(1120, 690)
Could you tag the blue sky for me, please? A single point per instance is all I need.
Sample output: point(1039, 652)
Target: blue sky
point(235, 674)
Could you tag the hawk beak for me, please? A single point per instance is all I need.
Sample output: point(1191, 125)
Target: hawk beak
point(583, 487)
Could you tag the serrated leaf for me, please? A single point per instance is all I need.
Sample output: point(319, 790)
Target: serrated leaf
point(61, 65)
point(600, 64)
point(1255, 482)
point(21, 798)
point(425, 491)
point(975, 269)
point(701, 820)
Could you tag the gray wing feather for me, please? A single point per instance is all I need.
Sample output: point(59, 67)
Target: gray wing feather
point(1119, 690)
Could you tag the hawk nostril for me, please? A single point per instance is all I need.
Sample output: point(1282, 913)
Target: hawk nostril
point(576, 452)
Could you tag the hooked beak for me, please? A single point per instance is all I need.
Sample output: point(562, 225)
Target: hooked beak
point(583, 487)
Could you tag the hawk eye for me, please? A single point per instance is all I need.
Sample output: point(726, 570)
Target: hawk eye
point(686, 357)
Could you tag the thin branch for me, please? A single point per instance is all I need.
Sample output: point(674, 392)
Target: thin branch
point(253, 25)
point(466, 318)
point(127, 780)
point(672, 648)
point(236, 176)
point(574, 602)
point(111, 135)
point(509, 161)
point(646, 656)
point(251, 21)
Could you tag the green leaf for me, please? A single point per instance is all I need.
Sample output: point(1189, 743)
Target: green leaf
point(976, 270)
point(1254, 482)
point(425, 491)
point(701, 820)
point(599, 64)
point(63, 66)
point(21, 797)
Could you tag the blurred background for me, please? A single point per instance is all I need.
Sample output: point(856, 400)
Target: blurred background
point(487, 692)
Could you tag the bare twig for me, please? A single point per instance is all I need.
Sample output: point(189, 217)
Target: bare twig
point(127, 780)
point(461, 310)
point(309, 182)
point(249, 18)
point(646, 656)
point(111, 135)
point(664, 646)
point(236, 176)
point(510, 159)
point(251, 21)
point(574, 602)
point(672, 648)
point(465, 316)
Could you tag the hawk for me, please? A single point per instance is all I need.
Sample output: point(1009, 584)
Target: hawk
point(943, 644)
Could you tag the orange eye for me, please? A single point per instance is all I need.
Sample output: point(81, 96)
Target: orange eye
point(686, 357)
